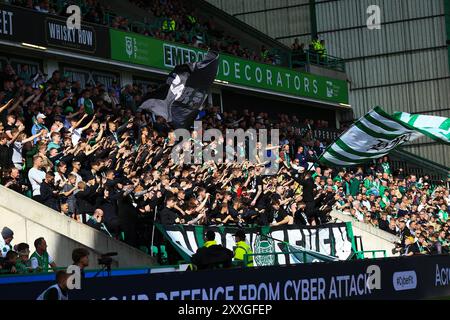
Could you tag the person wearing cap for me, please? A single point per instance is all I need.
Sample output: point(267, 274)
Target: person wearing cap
point(5, 241)
point(242, 249)
point(23, 264)
point(38, 125)
point(212, 255)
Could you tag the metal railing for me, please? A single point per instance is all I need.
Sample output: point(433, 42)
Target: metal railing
point(300, 60)
point(361, 254)
point(357, 254)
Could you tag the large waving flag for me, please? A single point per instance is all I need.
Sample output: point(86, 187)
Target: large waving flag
point(372, 136)
point(436, 128)
point(186, 88)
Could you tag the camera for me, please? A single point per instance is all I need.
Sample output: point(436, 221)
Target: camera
point(106, 260)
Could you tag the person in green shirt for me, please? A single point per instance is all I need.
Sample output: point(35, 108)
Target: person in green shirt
point(85, 103)
point(339, 177)
point(385, 165)
point(40, 259)
point(23, 264)
point(443, 214)
point(351, 185)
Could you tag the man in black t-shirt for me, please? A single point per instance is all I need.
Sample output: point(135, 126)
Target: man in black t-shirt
point(167, 215)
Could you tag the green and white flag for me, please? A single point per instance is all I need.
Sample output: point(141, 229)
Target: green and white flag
point(436, 128)
point(372, 136)
point(377, 133)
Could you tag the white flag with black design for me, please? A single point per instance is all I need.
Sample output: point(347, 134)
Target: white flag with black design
point(186, 88)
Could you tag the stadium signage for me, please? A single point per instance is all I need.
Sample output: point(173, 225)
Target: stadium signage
point(6, 22)
point(58, 34)
point(404, 280)
point(22, 25)
point(331, 240)
point(442, 276)
point(312, 281)
point(155, 53)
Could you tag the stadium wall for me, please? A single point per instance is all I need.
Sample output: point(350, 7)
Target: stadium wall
point(30, 220)
point(371, 237)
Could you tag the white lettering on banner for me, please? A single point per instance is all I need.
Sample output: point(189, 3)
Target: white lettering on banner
point(246, 68)
point(316, 288)
point(288, 77)
point(333, 292)
point(442, 276)
point(77, 36)
point(361, 280)
point(258, 74)
point(297, 83)
point(330, 241)
point(174, 55)
point(315, 86)
point(404, 280)
point(226, 68)
point(237, 70)
point(132, 297)
point(6, 23)
point(279, 81)
point(269, 76)
point(306, 84)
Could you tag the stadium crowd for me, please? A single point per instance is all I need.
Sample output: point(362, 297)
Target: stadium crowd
point(91, 155)
point(171, 20)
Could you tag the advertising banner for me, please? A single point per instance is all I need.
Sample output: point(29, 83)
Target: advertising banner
point(417, 277)
point(24, 25)
point(331, 239)
point(144, 50)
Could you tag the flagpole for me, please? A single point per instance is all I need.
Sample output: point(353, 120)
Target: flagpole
point(153, 231)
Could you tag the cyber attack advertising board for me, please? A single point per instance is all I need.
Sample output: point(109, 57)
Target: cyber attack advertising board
point(417, 277)
point(144, 50)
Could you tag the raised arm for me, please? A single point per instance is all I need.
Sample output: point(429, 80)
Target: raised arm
point(6, 105)
point(78, 123)
point(32, 137)
point(89, 124)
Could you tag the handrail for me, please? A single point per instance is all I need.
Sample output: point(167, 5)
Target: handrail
point(360, 254)
point(248, 255)
point(311, 57)
point(113, 270)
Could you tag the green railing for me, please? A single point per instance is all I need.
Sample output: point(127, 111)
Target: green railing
point(358, 254)
point(248, 255)
point(300, 60)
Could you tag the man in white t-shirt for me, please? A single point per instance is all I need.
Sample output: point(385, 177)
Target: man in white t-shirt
point(5, 241)
point(76, 167)
point(36, 176)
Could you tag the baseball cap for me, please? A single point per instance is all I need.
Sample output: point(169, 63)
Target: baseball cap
point(40, 116)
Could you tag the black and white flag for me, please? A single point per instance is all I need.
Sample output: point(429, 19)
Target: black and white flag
point(186, 88)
